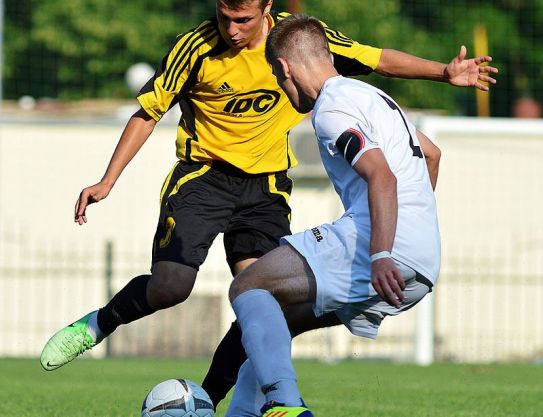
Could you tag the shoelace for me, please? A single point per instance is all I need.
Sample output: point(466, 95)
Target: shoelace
point(78, 343)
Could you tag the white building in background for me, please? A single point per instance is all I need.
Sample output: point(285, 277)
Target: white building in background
point(486, 306)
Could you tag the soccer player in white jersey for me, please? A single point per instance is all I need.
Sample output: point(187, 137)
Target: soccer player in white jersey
point(379, 259)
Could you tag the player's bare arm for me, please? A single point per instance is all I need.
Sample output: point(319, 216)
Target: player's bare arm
point(432, 156)
point(383, 204)
point(460, 72)
point(137, 131)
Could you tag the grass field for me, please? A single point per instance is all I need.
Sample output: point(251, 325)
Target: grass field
point(116, 388)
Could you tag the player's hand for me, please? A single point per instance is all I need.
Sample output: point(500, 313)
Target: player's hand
point(88, 196)
point(387, 281)
point(463, 72)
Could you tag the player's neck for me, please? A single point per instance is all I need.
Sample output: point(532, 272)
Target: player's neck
point(260, 39)
point(320, 77)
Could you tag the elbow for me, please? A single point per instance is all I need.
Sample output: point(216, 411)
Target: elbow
point(436, 156)
point(432, 154)
point(390, 181)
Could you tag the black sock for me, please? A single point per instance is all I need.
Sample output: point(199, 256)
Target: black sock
point(127, 305)
point(223, 372)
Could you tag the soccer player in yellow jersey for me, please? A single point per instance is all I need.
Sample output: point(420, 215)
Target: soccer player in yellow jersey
point(233, 149)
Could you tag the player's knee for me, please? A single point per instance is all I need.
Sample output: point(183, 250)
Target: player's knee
point(170, 284)
point(236, 288)
point(243, 282)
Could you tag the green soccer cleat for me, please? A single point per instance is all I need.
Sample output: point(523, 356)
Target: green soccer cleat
point(275, 409)
point(67, 344)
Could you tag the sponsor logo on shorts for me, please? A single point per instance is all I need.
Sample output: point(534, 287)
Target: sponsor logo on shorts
point(317, 233)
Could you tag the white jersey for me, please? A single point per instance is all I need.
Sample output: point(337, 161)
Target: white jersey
point(345, 104)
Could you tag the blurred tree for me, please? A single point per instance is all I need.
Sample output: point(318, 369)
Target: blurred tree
point(515, 35)
point(82, 48)
point(77, 49)
point(381, 24)
point(24, 69)
point(435, 30)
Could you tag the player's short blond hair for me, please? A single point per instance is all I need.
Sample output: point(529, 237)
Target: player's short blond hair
point(298, 37)
point(238, 4)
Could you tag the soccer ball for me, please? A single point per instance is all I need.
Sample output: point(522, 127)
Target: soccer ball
point(177, 398)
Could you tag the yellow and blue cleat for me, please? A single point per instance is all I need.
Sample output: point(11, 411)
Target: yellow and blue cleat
point(275, 409)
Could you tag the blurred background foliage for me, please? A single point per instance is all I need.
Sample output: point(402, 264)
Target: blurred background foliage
point(77, 49)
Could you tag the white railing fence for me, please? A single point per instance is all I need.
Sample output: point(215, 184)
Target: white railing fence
point(486, 307)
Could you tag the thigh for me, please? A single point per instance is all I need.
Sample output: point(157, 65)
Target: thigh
point(283, 272)
point(261, 218)
point(301, 318)
point(195, 207)
point(338, 255)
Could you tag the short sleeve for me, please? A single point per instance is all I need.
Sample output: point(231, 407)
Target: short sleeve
point(344, 136)
point(351, 57)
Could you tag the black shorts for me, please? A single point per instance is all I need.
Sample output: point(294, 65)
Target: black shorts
point(199, 201)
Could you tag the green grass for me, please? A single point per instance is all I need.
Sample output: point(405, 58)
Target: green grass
point(116, 388)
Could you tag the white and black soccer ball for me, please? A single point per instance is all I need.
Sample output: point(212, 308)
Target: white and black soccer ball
point(177, 398)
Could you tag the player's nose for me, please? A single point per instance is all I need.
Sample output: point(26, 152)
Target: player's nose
point(231, 28)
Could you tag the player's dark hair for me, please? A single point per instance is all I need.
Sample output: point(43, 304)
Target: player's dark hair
point(238, 4)
point(293, 36)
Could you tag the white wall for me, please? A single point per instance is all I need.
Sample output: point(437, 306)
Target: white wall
point(489, 196)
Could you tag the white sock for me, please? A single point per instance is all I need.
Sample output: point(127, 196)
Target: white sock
point(93, 328)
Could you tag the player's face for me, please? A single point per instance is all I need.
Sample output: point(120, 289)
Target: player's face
point(242, 27)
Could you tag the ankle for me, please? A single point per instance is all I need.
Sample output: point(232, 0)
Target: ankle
point(94, 329)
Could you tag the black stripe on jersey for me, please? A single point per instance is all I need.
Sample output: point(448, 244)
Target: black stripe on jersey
point(341, 35)
point(289, 162)
point(184, 50)
point(188, 148)
point(148, 86)
point(350, 66)
point(175, 71)
point(187, 61)
point(337, 38)
point(188, 115)
point(393, 106)
point(280, 16)
point(333, 42)
point(193, 32)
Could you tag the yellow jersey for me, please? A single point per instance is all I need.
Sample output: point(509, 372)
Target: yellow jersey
point(233, 110)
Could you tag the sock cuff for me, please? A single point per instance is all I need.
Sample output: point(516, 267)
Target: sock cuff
point(250, 300)
point(255, 292)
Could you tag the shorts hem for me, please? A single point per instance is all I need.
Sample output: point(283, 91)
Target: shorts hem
point(362, 333)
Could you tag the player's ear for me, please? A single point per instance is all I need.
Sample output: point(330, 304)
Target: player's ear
point(268, 7)
point(284, 67)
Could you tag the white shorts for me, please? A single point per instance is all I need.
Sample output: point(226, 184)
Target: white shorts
point(339, 259)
